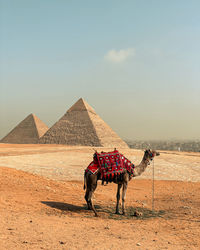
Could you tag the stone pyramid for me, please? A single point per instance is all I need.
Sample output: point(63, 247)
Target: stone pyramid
point(27, 131)
point(80, 125)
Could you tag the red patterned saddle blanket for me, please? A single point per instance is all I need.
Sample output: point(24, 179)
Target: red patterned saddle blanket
point(110, 165)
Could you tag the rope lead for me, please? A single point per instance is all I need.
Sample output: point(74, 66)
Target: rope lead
point(153, 187)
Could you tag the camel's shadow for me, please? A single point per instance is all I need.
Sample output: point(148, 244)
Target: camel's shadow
point(109, 210)
point(66, 206)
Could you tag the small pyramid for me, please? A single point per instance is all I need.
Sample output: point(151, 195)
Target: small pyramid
point(80, 125)
point(26, 132)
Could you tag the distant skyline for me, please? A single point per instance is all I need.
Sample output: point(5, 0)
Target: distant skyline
point(135, 62)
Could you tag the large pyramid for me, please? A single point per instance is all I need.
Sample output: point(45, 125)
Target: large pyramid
point(27, 131)
point(80, 125)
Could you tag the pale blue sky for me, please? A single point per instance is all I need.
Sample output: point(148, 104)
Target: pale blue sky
point(137, 63)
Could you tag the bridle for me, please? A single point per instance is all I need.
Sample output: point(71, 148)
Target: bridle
point(151, 155)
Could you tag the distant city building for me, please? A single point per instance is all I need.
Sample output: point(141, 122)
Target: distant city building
point(175, 145)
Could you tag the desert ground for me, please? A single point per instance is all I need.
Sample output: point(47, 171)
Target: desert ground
point(42, 201)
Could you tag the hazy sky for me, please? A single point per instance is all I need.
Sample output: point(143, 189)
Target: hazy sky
point(137, 63)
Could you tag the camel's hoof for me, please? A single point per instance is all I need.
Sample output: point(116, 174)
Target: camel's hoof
point(123, 213)
point(117, 212)
point(96, 215)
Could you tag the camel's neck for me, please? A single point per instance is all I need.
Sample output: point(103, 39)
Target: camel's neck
point(139, 169)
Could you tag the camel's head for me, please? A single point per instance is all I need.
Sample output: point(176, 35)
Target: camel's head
point(150, 154)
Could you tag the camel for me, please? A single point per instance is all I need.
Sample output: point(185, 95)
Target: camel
point(90, 181)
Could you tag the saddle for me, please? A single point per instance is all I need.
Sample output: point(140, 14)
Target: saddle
point(111, 165)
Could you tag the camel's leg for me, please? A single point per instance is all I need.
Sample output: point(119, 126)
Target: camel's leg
point(125, 185)
point(118, 197)
point(87, 198)
point(90, 188)
point(91, 204)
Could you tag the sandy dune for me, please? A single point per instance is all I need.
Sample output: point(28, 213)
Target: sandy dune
point(45, 208)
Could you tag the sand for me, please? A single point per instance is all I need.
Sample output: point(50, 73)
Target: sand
point(42, 202)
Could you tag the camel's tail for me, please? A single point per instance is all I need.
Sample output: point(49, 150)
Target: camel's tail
point(85, 181)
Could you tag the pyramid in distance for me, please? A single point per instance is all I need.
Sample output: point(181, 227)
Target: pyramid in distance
point(26, 132)
point(80, 125)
